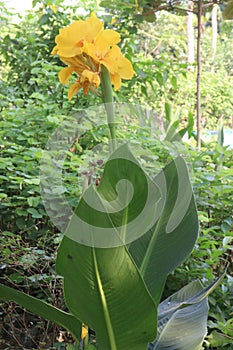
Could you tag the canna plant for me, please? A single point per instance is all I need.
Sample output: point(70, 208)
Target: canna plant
point(126, 235)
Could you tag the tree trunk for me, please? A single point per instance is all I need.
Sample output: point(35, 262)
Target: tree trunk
point(199, 14)
point(214, 29)
point(190, 35)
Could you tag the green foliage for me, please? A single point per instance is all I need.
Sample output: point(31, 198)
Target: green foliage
point(167, 234)
point(33, 103)
point(114, 280)
point(43, 309)
point(212, 179)
point(174, 314)
point(29, 71)
point(111, 273)
point(159, 55)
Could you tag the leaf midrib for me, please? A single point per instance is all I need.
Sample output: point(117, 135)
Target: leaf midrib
point(149, 251)
point(107, 317)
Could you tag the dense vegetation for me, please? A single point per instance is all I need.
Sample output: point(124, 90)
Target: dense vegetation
point(34, 103)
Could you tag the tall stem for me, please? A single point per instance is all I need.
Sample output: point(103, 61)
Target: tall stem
point(109, 106)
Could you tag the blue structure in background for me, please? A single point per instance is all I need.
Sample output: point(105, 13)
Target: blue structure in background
point(212, 135)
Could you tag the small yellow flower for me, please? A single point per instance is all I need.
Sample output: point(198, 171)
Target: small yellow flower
point(84, 332)
point(113, 20)
point(84, 46)
point(53, 8)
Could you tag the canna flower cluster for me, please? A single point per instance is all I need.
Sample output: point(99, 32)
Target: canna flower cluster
point(84, 46)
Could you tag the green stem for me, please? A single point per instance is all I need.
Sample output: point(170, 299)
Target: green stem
point(85, 343)
point(109, 106)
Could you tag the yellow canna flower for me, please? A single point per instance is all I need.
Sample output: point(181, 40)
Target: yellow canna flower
point(84, 46)
point(70, 39)
point(104, 50)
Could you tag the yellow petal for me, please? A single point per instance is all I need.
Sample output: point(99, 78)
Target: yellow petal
point(125, 68)
point(105, 40)
point(90, 50)
point(117, 63)
point(74, 88)
point(110, 65)
point(86, 86)
point(108, 36)
point(64, 75)
point(95, 27)
point(69, 51)
point(53, 8)
point(54, 51)
point(89, 79)
point(101, 47)
point(92, 77)
point(84, 332)
point(70, 39)
point(111, 59)
point(75, 63)
point(116, 81)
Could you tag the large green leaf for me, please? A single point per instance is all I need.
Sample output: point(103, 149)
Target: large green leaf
point(104, 289)
point(43, 309)
point(182, 318)
point(121, 209)
point(103, 286)
point(173, 236)
point(182, 328)
point(161, 216)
